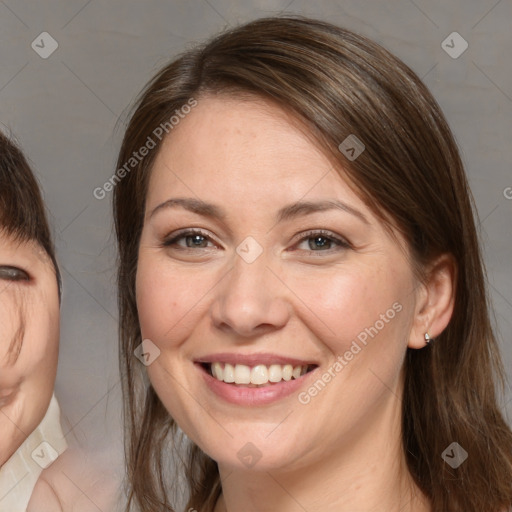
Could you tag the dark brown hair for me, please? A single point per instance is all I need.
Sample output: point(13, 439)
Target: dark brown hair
point(337, 83)
point(22, 210)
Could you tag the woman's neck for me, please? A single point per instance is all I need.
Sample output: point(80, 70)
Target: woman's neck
point(270, 491)
point(367, 472)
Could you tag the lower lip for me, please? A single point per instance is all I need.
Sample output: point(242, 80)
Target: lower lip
point(253, 396)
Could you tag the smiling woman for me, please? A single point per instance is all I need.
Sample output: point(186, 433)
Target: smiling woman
point(306, 231)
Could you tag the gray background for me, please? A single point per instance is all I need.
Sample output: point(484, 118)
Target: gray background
point(68, 112)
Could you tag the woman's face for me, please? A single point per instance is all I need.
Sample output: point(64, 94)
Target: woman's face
point(29, 339)
point(256, 255)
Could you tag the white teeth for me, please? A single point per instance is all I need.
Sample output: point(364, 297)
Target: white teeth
point(242, 374)
point(275, 373)
point(217, 371)
point(287, 371)
point(258, 375)
point(229, 373)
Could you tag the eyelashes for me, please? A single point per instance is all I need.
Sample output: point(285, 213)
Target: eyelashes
point(198, 239)
point(318, 235)
point(9, 273)
point(192, 236)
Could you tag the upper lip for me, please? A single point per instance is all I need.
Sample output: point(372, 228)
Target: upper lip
point(253, 359)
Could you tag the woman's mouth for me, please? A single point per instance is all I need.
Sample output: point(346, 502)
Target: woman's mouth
point(259, 375)
point(254, 383)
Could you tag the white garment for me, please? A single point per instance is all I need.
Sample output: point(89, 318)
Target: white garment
point(19, 474)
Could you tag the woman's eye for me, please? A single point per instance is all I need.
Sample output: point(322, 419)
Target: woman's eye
point(13, 274)
point(188, 239)
point(314, 241)
point(321, 242)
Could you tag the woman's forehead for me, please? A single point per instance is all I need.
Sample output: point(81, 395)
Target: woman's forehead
point(18, 247)
point(241, 144)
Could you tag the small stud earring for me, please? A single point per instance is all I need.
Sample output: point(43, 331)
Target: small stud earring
point(427, 338)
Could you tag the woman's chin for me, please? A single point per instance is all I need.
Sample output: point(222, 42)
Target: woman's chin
point(255, 456)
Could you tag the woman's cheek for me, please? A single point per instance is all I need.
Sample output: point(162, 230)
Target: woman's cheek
point(148, 297)
point(40, 349)
point(341, 306)
point(6, 335)
point(167, 290)
point(161, 302)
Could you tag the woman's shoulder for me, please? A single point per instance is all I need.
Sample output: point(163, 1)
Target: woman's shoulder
point(75, 483)
point(44, 497)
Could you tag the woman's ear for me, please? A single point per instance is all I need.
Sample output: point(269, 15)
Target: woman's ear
point(435, 301)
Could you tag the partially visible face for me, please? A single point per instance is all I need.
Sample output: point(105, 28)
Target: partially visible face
point(306, 284)
point(29, 339)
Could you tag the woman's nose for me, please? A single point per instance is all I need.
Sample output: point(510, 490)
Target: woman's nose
point(251, 300)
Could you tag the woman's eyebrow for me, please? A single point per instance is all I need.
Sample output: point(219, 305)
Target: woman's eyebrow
point(286, 213)
point(307, 207)
point(194, 205)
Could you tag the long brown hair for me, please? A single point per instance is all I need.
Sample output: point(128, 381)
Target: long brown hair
point(339, 84)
